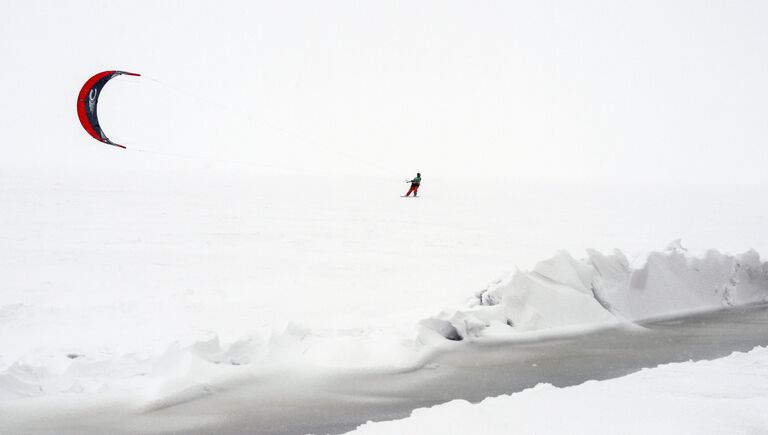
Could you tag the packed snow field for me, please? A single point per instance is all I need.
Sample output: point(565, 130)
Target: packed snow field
point(145, 285)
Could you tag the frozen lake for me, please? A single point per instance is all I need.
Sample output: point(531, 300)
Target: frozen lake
point(289, 302)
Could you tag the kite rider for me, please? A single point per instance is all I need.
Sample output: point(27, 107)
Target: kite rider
point(414, 185)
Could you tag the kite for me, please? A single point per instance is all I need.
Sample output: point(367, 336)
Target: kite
point(89, 98)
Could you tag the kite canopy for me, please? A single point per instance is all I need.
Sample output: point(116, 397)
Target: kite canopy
point(88, 99)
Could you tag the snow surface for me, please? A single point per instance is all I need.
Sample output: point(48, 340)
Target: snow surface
point(144, 285)
point(723, 396)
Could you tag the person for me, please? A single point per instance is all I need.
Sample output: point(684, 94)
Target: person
point(414, 185)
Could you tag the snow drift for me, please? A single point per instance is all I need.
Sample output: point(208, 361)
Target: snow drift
point(604, 290)
point(561, 294)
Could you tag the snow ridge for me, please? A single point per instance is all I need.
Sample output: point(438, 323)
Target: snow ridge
point(604, 290)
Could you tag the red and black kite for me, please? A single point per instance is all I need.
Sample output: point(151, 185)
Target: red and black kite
point(89, 98)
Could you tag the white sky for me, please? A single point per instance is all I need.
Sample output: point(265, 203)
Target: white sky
point(623, 91)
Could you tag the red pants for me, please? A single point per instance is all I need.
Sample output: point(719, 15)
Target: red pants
point(414, 188)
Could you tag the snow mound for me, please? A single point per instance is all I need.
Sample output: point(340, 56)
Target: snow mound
point(19, 381)
point(604, 290)
point(74, 373)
